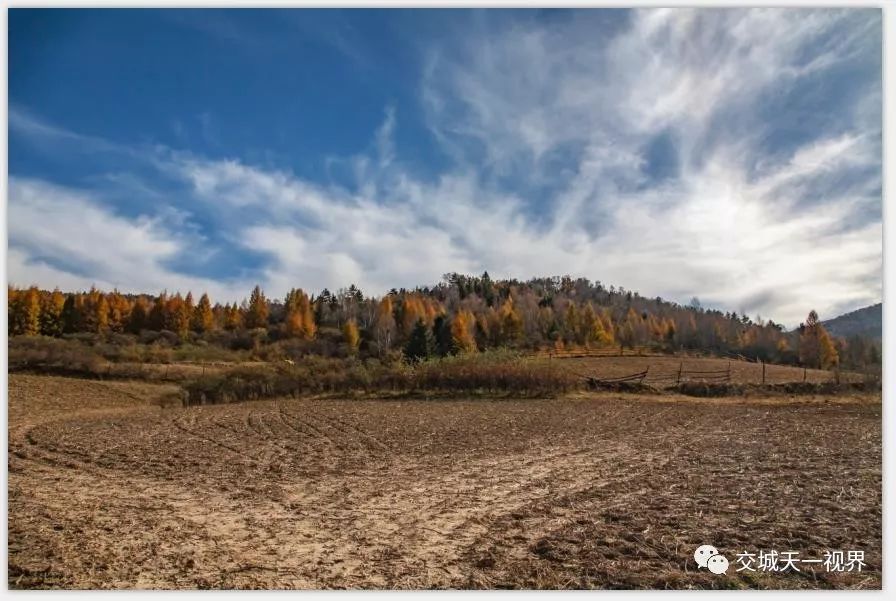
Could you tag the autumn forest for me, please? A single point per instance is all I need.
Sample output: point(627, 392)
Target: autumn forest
point(461, 314)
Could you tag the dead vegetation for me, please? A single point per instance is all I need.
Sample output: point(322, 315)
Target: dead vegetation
point(109, 488)
point(742, 372)
point(485, 373)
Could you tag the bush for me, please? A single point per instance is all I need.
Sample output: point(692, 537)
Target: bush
point(54, 355)
point(722, 389)
point(202, 352)
point(85, 338)
point(243, 341)
point(494, 372)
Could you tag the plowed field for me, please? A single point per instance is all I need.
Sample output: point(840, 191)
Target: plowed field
point(110, 487)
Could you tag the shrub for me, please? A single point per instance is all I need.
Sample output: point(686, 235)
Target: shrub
point(722, 389)
point(53, 355)
point(495, 372)
point(205, 353)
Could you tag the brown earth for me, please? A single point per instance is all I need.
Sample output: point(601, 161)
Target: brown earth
point(111, 486)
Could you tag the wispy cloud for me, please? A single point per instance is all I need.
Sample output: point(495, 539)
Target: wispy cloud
point(218, 25)
point(329, 28)
point(641, 157)
point(39, 131)
point(63, 237)
point(385, 138)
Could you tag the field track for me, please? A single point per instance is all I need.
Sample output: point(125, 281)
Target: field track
point(109, 489)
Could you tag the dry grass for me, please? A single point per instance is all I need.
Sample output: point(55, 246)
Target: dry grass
point(171, 372)
point(111, 488)
point(742, 372)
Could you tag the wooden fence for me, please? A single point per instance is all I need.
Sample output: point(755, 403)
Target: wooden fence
point(638, 377)
point(668, 378)
point(638, 351)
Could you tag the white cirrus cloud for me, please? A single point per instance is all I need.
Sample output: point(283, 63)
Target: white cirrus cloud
point(555, 130)
point(60, 236)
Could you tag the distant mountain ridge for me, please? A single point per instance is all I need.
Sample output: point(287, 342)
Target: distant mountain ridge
point(867, 322)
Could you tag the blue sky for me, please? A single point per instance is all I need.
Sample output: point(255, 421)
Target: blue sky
point(733, 155)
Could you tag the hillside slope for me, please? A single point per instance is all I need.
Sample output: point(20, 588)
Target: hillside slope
point(867, 322)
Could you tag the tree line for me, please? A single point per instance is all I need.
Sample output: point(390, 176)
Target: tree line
point(461, 314)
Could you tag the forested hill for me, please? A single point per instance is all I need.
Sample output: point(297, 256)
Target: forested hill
point(866, 322)
point(460, 314)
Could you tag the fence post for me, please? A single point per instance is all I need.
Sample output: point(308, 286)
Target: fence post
point(165, 377)
point(763, 373)
point(680, 369)
point(804, 373)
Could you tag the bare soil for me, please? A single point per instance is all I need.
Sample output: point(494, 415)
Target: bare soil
point(113, 486)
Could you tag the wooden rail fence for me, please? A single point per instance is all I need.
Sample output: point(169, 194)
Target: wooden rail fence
point(668, 379)
point(638, 351)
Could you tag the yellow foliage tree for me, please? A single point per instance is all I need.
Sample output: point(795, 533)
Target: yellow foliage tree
point(828, 355)
point(24, 312)
point(655, 328)
point(462, 332)
point(412, 310)
point(177, 317)
point(669, 331)
point(119, 309)
point(51, 313)
point(233, 317)
point(816, 347)
point(782, 346)
point(593, 329)
point(188, 309)
point(299, 315)
point(511, 323)
point(101, 314)
point(351, 336)
point(384, 325)
point(203, 316)
point(609, 329)
point(632, 332)
point(257, 313)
